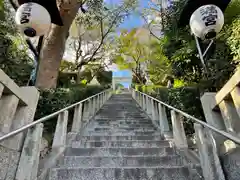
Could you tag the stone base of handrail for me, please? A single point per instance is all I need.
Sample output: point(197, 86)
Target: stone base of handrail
point(48, 162)
point(156, 111)
point(207, 141)
point(89, 108)
point(16, 116)
point(209, 159)
point(8, 162)
point(28, 166)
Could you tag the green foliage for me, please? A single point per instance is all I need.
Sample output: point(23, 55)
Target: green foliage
point(131, 54)
point(104, 77)
point(180, 49)
point(148, 89)
point(119, 86)
point(52, 100)
point(186, 99)
point(93, 32)
point(178, 54)
point(68, 73)
point(234, 39)
point(14, 60)
point(232, 12)
point(65, 79)
point(67, 66)
point(158, 66)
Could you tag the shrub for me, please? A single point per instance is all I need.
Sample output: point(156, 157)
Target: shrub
point(53, 100)
point(186, 99)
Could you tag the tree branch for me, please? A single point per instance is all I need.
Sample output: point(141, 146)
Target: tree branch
point(14, 4)
point(103, 36)
point(151, 32)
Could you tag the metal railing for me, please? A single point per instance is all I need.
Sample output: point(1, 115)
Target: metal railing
point(101, 98)
point(148, 103)
point(210, 140)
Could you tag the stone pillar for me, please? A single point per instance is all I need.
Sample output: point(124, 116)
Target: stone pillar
point(235, 96)
point(60, 134)
point(208, 155)
point(110, 94)
point(134, 94)
point(98, 102)
point(154, 118)
point(29, 160)
point(8, 108)
point(77, 118)
point(148, 106)
point(101, 100)
point(24, 115)
point(1, 89)
point(144, 103)
point(179, 134)
point(85, 110)
point(136, 97)
point(93, 106)
point(141, 100)
point(163, 121)
point(104, 97)
point(113, 84)
point(212, 117)
point(230, 116)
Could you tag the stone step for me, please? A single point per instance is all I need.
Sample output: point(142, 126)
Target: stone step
point(157, 173)
point(123, 131)
point(122, 106)
point(145, 144)
point(124, 109)
point(117, 118)
point(117, 125)
point(124, 161)
point(116, 138)
point(132, 133)
point(119, 151)
point(103, 129)
point(122, 121)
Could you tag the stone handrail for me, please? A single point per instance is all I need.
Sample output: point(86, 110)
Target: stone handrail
point(17, 108)
point(95, 100)
point(21, 138)
point(156, 109)
point(222, 111)
point(8, 86)
point(30, 154)
point(84, 109)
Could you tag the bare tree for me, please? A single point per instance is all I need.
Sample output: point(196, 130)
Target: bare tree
point(154, 15)
point(104, 22)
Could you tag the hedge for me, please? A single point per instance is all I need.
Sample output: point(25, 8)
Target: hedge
point(53, 100)
point(186, 99)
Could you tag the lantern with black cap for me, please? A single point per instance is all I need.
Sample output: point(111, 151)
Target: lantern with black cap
point(34, 17)
point(206, 20)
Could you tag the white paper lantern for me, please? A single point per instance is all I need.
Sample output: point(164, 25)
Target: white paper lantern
point(207, 21)
point(33, 19)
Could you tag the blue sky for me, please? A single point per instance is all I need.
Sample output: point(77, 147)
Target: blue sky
point(133, 21)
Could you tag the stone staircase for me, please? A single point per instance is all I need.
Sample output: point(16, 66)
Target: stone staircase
point(121, 142)
point(125, 137)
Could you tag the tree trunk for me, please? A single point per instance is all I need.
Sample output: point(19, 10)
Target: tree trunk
point(54, 46)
